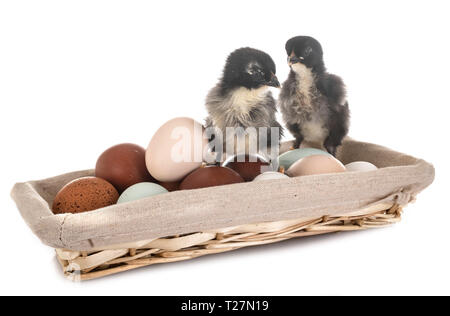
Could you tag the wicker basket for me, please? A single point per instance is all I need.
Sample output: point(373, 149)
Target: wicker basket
point(188, 224)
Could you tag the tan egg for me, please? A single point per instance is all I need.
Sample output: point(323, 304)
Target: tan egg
point(176, 150)
point(316, 164)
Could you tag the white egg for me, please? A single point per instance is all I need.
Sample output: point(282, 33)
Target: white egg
point(271, 175)
point(360, 166)
point(176, 149)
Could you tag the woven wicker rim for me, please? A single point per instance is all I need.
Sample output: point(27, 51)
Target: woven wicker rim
point(79, 266)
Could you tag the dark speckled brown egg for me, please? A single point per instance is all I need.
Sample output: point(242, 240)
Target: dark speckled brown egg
point(210, 177)
point(249, 167)
point(84, 195)
point(170, 186)
point(123, 166)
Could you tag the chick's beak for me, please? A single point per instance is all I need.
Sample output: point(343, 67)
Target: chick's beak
point(274, 82)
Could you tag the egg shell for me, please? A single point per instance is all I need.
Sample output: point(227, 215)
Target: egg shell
point(140, 191)
point(360, 166)
point(315, 164)
point(123, 165)
point(176, 149)
point(170, 186)
point(209, 177)
point(248, 166)
point(271, 175)
point(287, 159)
point(84, 195)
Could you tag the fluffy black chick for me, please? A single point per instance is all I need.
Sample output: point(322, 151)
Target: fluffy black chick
point(242, 98)
point(312, 101)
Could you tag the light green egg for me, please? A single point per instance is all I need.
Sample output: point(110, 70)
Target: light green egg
point(287, 159)
point(140, 191)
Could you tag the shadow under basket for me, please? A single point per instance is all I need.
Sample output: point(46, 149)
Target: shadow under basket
point(184, 225)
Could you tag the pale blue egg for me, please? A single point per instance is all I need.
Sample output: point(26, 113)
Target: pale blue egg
point(140, 191)
point(287, 159)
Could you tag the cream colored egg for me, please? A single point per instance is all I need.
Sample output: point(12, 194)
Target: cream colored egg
point(360, 166)
point(316, 164)
point(271, 175)
point(176, 149)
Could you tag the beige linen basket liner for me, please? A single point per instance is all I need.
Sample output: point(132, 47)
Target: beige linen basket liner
point(188, 224)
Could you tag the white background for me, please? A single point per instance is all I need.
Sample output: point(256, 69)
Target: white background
point(77, 77)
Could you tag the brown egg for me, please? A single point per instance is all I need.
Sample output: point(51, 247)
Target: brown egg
point(83, 195)
point(209, 177)
point(170, 186)
point(123, 166)
point(248, 167)
point(316, 164)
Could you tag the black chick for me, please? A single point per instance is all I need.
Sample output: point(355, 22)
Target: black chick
point(242, 98)
point(312, 101)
